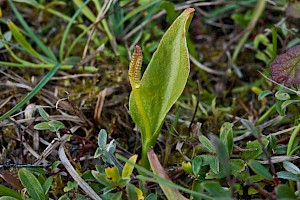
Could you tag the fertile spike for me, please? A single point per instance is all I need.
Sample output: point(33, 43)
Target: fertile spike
point(135, 67)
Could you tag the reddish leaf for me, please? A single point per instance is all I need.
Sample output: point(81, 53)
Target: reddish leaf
point(286, 67)
point(157, 168)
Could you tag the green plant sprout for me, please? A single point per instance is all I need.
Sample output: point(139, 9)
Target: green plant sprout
point(162, 83)
point(51, 125)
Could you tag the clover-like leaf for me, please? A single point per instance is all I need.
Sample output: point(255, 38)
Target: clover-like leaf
point(286, 67)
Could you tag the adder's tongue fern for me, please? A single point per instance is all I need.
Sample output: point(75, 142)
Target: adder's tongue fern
point(134, 78)
point(135, 67)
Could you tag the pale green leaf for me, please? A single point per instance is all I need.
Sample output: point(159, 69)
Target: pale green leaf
point(117, 196)
point(226, 136)
point(102, 138)
point(264, 94)
point(290, 167)
point(288, 102)
point(55, 125)
point(280, 95)
point(42, 126)
point(196, 164)
point(43, 114)
point(127, 170)
point(288, 176)
point(206, 143)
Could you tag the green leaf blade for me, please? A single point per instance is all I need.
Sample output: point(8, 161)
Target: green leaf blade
point(33, 186)
point(284, 192)
point(260, 169)
point(128, 169)
point(5, 191)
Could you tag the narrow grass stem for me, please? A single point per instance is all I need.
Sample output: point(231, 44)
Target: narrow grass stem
point(289, 150)
point(47, 66)
point(266, 114)
point(258, 10)
point(71, 22)
point(31, 34)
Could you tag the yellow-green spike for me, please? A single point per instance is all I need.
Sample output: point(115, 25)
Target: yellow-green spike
point(135, 67)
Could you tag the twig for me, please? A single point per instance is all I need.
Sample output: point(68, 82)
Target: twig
point(100, 16)
point(50, 148)
point(279, 159)
point(265, 193)
point(86, 59)
point(64, 160)
point(283, 131)
point(208, 70)
point(272, 167)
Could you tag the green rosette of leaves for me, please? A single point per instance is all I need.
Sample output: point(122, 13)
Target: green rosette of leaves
point(162, 83)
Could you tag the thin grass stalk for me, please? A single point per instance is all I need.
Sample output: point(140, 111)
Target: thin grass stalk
point(31, 34)
point(65, 34)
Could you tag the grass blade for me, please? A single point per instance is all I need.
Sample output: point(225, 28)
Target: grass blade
point(63, 40)
point(47, 66)
point(292, 141)
point(23, 41)
point(86, 11)
point(31, 34)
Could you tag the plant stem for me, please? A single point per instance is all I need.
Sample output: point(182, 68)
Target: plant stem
point(145, 161)
point(266, 114)
point(292, 141)
point(134, 78)
point(146, 139)
point(47, 66)
point(289, 151)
